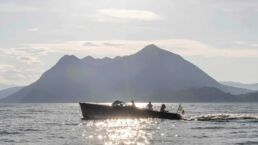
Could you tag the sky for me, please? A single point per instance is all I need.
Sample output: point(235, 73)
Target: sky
point(219, 36)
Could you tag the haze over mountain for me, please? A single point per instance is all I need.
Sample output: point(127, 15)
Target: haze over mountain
point(6, 92)
point(242, 85)
point(150, 74)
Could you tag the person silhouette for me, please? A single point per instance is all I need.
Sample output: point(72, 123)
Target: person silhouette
point(163, 108)
point(150, 106)
point(133, 105)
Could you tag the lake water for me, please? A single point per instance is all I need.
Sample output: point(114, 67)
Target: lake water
point(54, 124)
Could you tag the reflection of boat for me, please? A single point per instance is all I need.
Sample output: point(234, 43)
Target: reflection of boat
point(97, 111)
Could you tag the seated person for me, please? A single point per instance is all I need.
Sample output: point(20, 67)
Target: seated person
point(150, 106)
point(163, 108)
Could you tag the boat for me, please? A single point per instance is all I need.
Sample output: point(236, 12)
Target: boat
point(97, 111)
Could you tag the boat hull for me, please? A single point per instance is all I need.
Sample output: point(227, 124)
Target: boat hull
point(96, 111)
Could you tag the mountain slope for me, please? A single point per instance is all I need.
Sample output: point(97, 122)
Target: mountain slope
point(253, 87)
point(6, 92)
point(146, 75)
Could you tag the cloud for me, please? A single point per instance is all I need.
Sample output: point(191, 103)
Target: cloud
point(29, 59)
point(9, 74)
point(33, 50)
point(33, 29)
point(15, 8)
point(90, 44)
point(17, 75)
point(255, 45)
point(184, 47)
point(24, 51)
point(246, 44)
point(93, 44)
point(4, 67)
point(23, 65)
point(126, 15)
point(112, 44)
point(28, 55)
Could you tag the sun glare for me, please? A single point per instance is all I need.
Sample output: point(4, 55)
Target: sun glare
point(118, 131)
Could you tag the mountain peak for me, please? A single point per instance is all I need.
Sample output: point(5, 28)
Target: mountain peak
point(88, 58)
point(68, 59)
point(153, 50)
point(151, 47)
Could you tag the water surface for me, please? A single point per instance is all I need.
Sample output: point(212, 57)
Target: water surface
point(205, 123)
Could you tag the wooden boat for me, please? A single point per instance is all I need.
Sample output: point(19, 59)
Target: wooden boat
point(97, 111)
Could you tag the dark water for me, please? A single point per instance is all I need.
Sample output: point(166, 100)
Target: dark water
point(43, 124)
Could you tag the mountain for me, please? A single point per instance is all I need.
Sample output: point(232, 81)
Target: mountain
point(150, 74)
point(242, 85)
point(6, 92)
point(236, 90)
point(250, 97)
point(204, 94)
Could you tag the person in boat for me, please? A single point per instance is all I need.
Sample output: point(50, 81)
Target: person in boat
point(133, 105)
point(150, 106)
point(163, 108)
point(118, 103)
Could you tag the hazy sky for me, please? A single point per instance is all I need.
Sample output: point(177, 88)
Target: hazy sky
point(219, 36)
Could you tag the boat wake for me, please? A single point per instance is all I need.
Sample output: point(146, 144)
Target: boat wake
point(224, 117)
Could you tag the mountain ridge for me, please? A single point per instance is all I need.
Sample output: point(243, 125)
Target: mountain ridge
point(145, 75)
point(253, 86)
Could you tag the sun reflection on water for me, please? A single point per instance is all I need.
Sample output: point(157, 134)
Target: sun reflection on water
point(118, 131)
